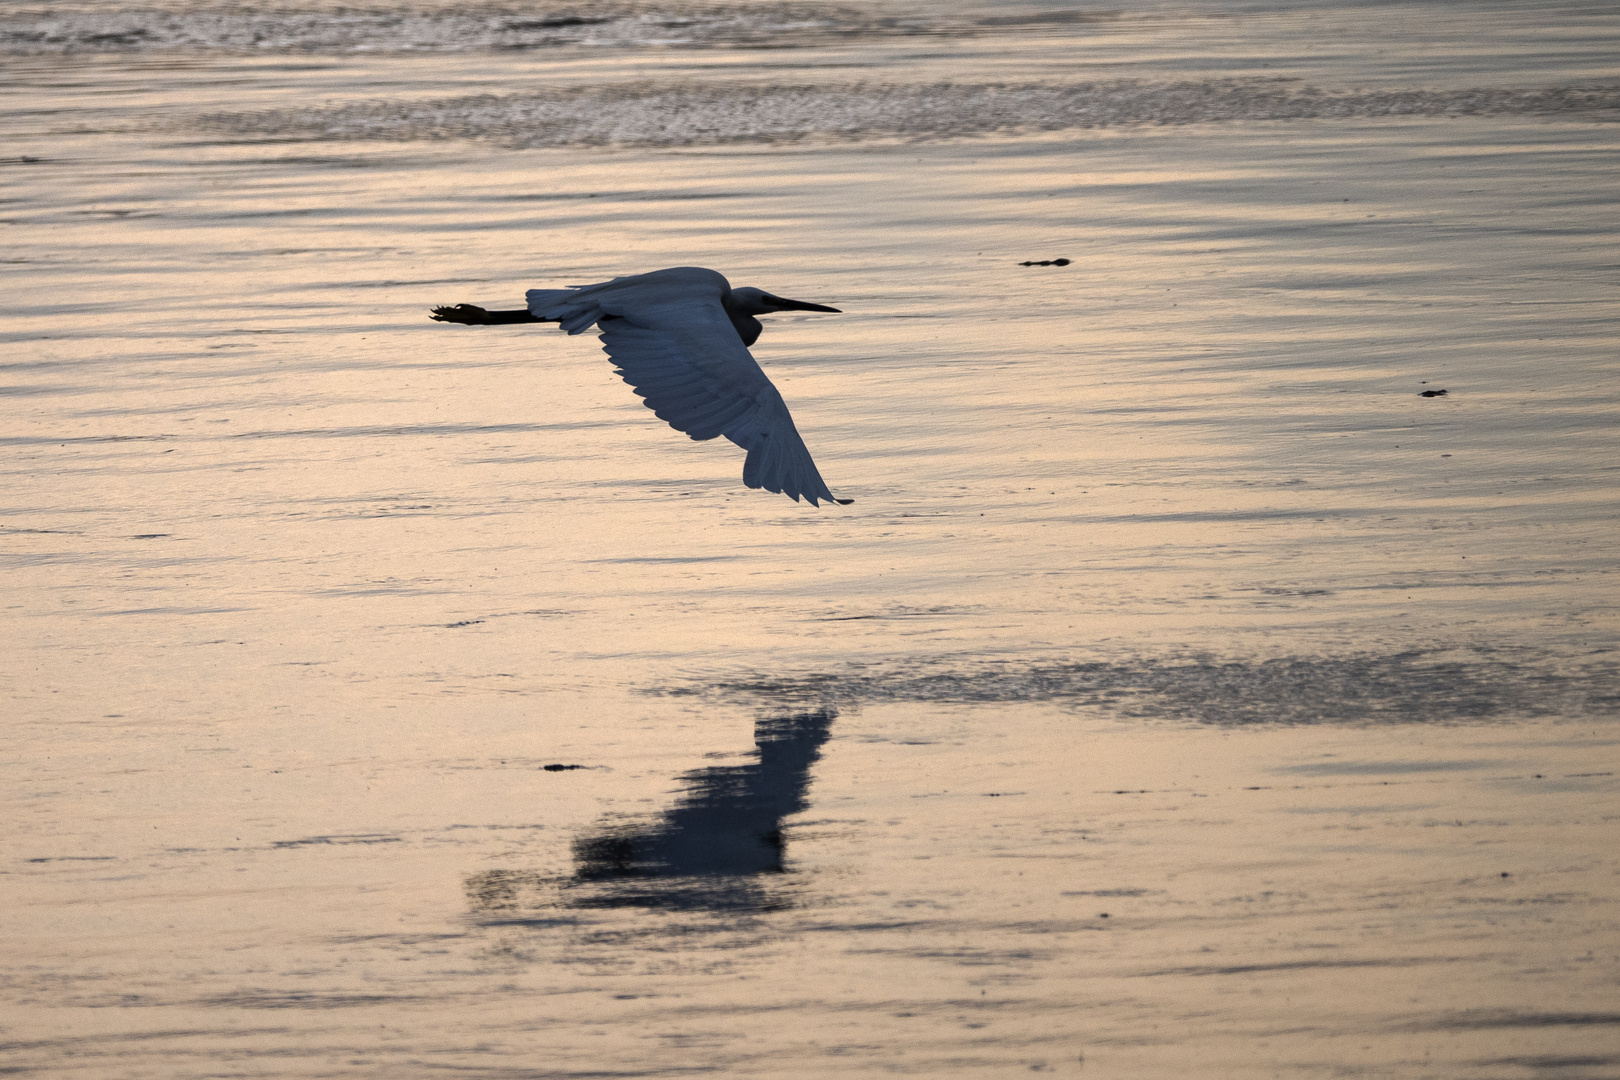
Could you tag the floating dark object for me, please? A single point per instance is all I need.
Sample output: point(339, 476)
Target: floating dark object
point(1047, 262)
point(560, 768)
point(1433, 393)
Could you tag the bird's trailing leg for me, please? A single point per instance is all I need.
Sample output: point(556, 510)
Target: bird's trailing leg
point(473, 315)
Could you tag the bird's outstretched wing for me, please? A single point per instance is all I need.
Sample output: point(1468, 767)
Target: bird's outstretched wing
point(678, 350)
point(691, 396)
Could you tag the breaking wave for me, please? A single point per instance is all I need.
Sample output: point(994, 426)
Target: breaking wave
point(688, 115)
point(474, 27)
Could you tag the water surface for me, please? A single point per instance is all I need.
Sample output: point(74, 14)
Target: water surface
point(1183, 692)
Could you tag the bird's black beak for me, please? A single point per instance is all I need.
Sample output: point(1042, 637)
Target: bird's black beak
point(800, 305)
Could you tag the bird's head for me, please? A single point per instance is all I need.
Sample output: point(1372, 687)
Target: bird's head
point(751, 301)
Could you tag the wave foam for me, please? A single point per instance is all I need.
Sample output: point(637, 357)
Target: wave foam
point(464, 28)
point(646, 115)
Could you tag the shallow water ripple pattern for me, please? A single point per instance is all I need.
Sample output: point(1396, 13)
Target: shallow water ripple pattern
point(1185, 693)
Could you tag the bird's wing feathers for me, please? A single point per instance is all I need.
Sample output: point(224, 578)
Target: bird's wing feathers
point(670, 338)
point(777, 458)
point(707, 386)
point(686, 394)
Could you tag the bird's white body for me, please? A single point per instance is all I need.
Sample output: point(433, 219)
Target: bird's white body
point(680, 338)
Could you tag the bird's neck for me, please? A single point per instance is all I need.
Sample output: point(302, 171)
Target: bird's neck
point(748, 327)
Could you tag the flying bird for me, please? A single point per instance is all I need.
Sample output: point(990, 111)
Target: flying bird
point(680, 338)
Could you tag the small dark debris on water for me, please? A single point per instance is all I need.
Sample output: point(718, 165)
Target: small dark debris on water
point(554, 22)
point(560, 768)
point(75, 858)
point(1047, 262)
point(1432, 393)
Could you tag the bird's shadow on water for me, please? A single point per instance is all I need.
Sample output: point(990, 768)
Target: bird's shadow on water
point(719, 849)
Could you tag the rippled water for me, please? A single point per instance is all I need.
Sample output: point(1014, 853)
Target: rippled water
point(1183, 692)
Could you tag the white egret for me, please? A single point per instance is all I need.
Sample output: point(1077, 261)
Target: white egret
point(680, 338)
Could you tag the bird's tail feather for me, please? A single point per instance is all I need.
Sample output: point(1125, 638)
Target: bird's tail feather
point(540, 297)
point(566, 306)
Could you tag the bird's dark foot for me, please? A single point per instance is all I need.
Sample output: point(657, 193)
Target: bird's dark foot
point(466, 314)
point(843, 502)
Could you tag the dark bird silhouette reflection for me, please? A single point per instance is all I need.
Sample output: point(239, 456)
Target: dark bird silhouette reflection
point(719, 847)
